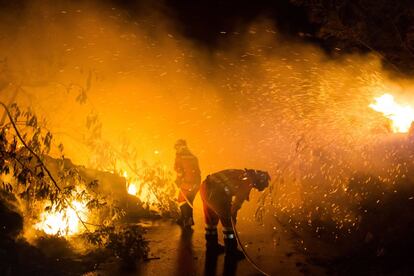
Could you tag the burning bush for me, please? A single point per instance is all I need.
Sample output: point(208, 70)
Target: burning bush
point(355, 193)
point(61, 202)
point(152, 184)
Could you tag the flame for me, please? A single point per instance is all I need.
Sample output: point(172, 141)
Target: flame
point(147, 196)
point(401, 116)
point(63, 223)
point(133, 189)
point(142, 191)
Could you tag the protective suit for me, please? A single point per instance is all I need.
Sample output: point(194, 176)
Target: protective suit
point(188, 181)
point(223, 194)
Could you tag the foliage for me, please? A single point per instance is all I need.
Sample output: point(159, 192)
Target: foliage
point(37, 188)
point(384, 27)
point(359, 198)
point(156, 185)
point(159, 182)
point(28, 177)
point(127, 243)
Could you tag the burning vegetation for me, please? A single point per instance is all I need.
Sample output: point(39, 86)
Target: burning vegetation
point(52, 198)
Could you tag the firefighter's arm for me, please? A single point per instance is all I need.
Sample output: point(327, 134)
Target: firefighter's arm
point(238, 201)
point(235, 206)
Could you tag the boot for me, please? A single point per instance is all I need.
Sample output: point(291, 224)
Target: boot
point(187, 216)
point(230, 246)
point(181, 220)
point(189, 222)
point(190, 216)
point(212, 245)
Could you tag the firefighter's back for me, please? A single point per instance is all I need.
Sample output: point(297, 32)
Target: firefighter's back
point(222, 184)
point(188, 164)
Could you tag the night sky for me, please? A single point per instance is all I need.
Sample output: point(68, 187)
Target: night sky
point(380, 26)
point(204, 21)
point(364, 25)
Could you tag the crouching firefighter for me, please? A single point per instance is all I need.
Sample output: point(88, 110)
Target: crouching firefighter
point(188, 181)
point(223, 194)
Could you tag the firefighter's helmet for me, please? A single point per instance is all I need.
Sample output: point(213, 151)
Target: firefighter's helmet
point(261, 180)
point(181, 143)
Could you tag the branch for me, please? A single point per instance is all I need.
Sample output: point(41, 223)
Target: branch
point(39, 160)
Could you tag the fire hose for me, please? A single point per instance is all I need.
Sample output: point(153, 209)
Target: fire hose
point(250, 260)
point(233, 224)
point(186, 199)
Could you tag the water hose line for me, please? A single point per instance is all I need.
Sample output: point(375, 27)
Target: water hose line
point(250, 260)
point(186, 199)
point(237, 238)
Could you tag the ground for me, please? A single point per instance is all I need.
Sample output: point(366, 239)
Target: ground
point(174, 252)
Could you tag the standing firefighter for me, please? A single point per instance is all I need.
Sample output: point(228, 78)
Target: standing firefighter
point(188, 181)
point(223, 194)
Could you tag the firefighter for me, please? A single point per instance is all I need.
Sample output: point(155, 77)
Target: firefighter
point(188, 181)
point(223, 194)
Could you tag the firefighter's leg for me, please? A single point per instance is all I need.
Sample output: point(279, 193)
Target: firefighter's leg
point(211, 220)
point(182, 203)
point(186, 220)
point(230, 239)
point(185, 198)
point(190, 197)
point(188, 216)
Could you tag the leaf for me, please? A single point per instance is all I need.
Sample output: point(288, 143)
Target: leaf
point(60, 147)
point(6, 170)
point(89, 81)
point(82, 97)
point(41, 174)
point(22, 177)
point(7, 187)
point(93, 184)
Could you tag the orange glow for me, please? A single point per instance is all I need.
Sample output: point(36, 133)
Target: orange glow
point(400, 115)
point(140, 190)
point(63, 223)
point(132, 189)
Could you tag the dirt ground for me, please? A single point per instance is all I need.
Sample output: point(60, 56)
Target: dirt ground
point(174, 252)
point(277, 249)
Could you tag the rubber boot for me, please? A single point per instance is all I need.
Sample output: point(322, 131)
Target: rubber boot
point(190, 216)
point(212, 245)
point(181, 219)
point(186, 212)
point(231, 249)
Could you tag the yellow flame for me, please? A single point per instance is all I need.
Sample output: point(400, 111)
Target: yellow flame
point(139, 189)
point(63, 223)
point(132, 189)
point(147, 195)
point(142, 191)
point(401, 116)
